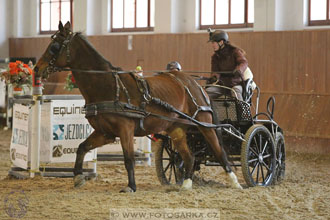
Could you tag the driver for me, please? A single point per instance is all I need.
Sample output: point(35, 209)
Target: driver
point(226, 57)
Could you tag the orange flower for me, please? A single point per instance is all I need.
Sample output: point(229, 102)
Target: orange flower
point(12, 64)
point(28, 69)
point(13, 68)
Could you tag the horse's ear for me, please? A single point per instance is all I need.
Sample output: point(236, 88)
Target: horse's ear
point(67, 26)
point(60, 26)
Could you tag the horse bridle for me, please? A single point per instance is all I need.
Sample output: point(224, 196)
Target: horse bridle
point(65, 45)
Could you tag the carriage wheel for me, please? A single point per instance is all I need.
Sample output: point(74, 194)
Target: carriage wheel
point(169, 164)
point(258, 156)
point(280, 157)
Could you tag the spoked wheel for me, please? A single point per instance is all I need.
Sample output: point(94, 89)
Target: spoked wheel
point(258, 156)
point(280, 157)
point(169, 164)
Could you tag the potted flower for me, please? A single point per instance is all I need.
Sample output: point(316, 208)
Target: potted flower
point(19, 75)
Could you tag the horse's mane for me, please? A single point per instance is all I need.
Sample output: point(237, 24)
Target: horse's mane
point(94, 52)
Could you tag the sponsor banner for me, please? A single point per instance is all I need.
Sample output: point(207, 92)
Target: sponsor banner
point(19, 145)
point(69, 129)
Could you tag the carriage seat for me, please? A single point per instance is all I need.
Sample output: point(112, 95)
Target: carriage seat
point(248, 87)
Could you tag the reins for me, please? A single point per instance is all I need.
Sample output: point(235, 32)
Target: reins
point(150, 71)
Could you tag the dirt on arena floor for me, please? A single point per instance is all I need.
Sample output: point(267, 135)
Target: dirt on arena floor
point(304, 194)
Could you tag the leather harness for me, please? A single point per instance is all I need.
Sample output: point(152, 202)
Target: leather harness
point(132, 111)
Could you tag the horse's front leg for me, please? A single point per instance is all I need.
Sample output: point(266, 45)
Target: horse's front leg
point(127, 144)
point(95, 140)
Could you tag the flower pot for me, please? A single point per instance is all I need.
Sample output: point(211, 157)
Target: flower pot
point(17, 91)
point(27, 90)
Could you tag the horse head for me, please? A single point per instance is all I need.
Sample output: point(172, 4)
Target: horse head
point(58, 53)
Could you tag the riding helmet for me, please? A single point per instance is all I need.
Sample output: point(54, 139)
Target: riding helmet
point(217, 35)
point(173, 65)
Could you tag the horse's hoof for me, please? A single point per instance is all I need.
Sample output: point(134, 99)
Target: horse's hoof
point(127, 189)
point(187, 184)
point(233, 181)
point(236, 186)
point(79, 180)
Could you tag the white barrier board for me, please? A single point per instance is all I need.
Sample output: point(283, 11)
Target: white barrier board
point(63, 128)
point(20, 141)
point(2, 94)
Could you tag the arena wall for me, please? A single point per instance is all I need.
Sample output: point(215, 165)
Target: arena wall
point(294, 66)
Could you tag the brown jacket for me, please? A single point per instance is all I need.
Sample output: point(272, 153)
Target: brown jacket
point(229, 58)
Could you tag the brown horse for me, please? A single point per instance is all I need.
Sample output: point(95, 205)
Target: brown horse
point(103, 86)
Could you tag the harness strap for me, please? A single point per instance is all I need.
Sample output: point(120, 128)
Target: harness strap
point(67, 46)
point(198, 107)
point(143, 87)
point(119, 84)
point(207, 99)
point(173, 109)
point(128, 110)
point(143, 107)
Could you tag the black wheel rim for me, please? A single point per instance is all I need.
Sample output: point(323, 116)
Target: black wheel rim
point(261, 159)
point(172, 165)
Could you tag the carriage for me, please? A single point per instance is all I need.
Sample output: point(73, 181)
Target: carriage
point(251, 139)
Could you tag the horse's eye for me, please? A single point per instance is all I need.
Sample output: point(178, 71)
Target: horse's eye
point(54, 48)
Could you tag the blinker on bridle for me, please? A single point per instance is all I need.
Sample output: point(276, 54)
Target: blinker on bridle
point(56, 49)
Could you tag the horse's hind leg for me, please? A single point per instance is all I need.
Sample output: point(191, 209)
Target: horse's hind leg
point(178, 136)
point(93, 141)
point(220, 154)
